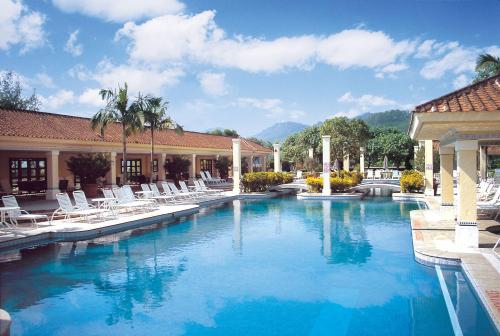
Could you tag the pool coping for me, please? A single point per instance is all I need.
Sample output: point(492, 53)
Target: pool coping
point(487, 289)
point(339, 196)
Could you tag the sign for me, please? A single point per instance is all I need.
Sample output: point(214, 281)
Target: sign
point(326, 167)
point(428, 166)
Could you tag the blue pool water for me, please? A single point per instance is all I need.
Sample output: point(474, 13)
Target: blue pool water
point(274, 267)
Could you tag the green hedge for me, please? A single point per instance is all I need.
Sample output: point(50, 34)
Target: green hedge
point(262, 181)
point(339, 181)
point(411, 181)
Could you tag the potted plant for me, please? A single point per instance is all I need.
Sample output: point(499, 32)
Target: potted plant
point(90, 168)
point(178, 168)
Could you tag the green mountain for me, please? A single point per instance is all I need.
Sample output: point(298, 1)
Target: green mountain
point(280, 131)
point(394, 118)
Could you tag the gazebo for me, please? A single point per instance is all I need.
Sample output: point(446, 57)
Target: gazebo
point(466, 123)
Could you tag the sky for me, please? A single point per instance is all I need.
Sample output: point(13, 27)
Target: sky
point(246, 65)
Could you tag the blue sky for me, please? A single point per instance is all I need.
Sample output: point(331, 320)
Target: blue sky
point(247, 64)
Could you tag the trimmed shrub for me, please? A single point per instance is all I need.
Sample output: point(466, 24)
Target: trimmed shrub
point(411, 181)
point(339, 181)
point(262, 181)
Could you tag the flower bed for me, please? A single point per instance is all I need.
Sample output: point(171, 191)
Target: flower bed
point(262, 181)
point(339, 181)
point(411, 181)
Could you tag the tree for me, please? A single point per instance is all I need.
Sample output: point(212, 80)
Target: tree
point(225, 132)
point(347, 135)
point(420, 160)
point(119, 109)
point(89, 167)
point(296, 147)
point(11, 94)
point(177, 167)
point(156, 119)
point(222, 165)
point(487, 66)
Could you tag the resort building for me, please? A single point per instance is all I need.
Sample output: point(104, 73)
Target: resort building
point(34, 148)
point(466, 123)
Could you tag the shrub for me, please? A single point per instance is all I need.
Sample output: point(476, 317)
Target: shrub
point(262, 181)
point(177, 168)
point(411, 181)
point(89, 167)
point(339, 181)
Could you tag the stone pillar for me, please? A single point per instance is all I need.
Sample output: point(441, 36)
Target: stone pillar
point(277, 157)
point(326, 165)
point(251, 163)
point(428, 174)
point(346, 162)
point(217, 157)
point(236, 165)
point(161, 167)
point(415, 151)
point(362, 160)
point(311, 153)
point(466, 232)
point(52, 174)
point(112, 175)
point(446, 156)
point(193, 166)
point(483, 162)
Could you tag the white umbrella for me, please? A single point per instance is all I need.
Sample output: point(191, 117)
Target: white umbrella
point(386, 163)
point(336, 165)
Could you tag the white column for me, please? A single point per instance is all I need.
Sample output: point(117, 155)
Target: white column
point(217, 157)
point(264, 163)
point(112, 158)
point(52, 174)
point(277, 157)
point(311, 153)
point(193, 166)
point(446, 158)
point(326, 165)
point(161, 166)
point(346, 161)
point(483, 162)
point(466, 232)
point(362, 160)
point(236, 165)
point(429, 169)
point(251, 163)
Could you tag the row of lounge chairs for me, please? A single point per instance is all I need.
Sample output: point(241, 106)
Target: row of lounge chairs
point(377, 174)
point(116, 201)
point(207, 178)
point(488, 199)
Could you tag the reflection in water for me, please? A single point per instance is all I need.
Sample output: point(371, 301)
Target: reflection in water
point(277, 211)
point(237, 235)
point(327, 226)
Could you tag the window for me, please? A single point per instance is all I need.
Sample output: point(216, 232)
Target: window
point(205, 165)
point(134, 167)
point(155, 166)
point(26, 170)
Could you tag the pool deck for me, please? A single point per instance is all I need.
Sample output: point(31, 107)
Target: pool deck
point(433, 233)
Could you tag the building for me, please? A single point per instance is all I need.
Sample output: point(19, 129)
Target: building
point(34, 147)
point(466, 123)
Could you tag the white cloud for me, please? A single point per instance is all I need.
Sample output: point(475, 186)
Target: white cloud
point(197, 38)
point(366, 103)
point(72, 46)
point(273, 106)
point(91, 97)
point(20, 26)
point(213, 83)
point(60, 98)
point(44, 79)
point(139, 78)
point(461, 81)
point(121, 11)
point(80, 72)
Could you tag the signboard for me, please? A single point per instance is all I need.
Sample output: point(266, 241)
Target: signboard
point(326, 167)
point(428, 166)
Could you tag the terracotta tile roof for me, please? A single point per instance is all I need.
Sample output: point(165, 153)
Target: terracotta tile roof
point(43, 125)
point(483, 96)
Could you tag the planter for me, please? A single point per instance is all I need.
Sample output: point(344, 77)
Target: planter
point(91, 190)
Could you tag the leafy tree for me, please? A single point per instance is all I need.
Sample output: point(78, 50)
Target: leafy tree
point(296, 147)
point(11, 94)
point(178, 167)
point(487, 66)
point(347, 135)
point(420, 160)
point(89, 167)
point(156, 118)
point(222, 165)
point(119, 109)
point(225, 132)
point(396, 146)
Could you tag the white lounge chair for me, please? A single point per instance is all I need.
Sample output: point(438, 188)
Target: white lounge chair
point(15, 215)
point(218, 180)
point(206, 179)
point(158, 196)
point(185, 190)
point(82, 204)
point(67, 209)
point(369, 174)
point(167, 192)
point(176, 191)
point(125, 202)
point(378, 175)
point(204, 188)
point(396, 175)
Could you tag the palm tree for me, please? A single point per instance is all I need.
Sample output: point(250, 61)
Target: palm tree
point(487, 66)
point(119, 109)
point(156, 118)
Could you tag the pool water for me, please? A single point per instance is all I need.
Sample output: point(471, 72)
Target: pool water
point(273, 267)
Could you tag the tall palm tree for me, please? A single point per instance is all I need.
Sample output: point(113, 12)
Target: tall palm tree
point(156, 119)
point(119, 109)
point(487, 66)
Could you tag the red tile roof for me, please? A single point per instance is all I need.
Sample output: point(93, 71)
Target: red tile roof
point(482, 96)
point(43, 125)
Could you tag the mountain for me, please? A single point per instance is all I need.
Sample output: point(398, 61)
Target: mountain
point(280, 131)
point(393, 118)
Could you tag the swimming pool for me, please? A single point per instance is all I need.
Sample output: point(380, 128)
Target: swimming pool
point(273, 267)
